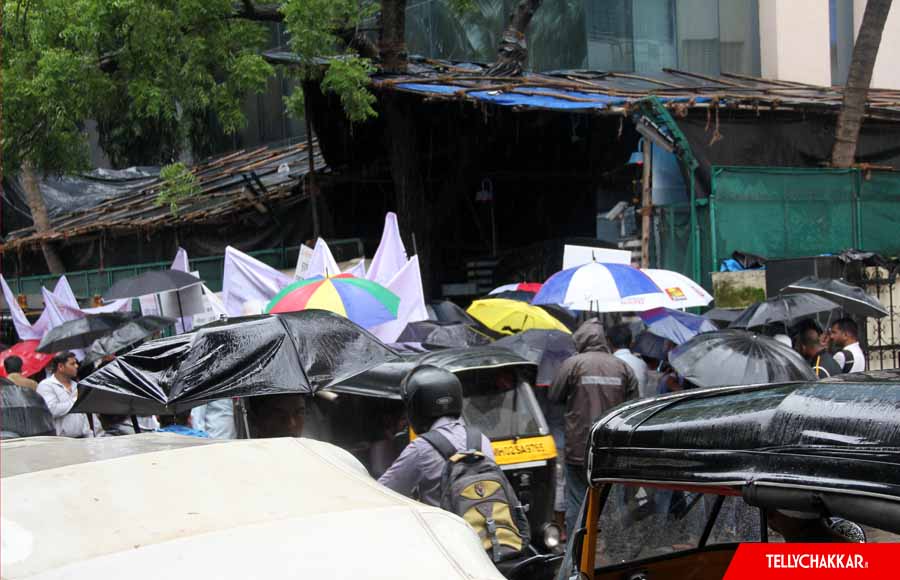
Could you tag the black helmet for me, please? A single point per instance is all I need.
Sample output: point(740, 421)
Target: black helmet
point(430, 393)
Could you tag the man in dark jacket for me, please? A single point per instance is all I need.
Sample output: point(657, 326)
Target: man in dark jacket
point(809, 345)
point(588, 384)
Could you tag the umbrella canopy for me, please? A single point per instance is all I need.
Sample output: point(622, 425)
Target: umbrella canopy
point(511, 316)
point(601, 287)
point(650, 345)
point(364, 302)
point(24, 412)
point(429, 332)
point(152, 282)
point(852, 299)
point(82, 332)
point(33, 361)
point(126, 335)
point(675, 325)
point(738, 357)
point(722, 314)
point(547, 348)
point(782, 310)
point(298, 352)
point(531, 287)
point(681, 291)
point(520, 295)
point(446, 311)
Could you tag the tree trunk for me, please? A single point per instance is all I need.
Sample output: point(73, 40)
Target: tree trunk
point(392, 44)
point(512, 55)
point(35, 199)
point(856, 91)
point(409, 184)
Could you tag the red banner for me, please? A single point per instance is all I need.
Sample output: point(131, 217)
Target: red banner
point(814, 561)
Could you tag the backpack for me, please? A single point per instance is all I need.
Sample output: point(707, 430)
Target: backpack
point(475, 488)
point(848, 361)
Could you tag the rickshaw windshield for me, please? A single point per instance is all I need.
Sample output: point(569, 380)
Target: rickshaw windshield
point(500, 402)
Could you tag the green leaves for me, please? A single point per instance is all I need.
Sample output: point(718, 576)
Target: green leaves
point(178, 184)
point(315, 28)
point(152, 73)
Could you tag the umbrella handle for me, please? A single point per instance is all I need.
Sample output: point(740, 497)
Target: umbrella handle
point(134, 423)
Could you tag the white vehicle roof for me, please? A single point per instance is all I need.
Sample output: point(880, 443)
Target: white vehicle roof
point(165, 506)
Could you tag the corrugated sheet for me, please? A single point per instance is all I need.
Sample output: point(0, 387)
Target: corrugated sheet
point(228, 183)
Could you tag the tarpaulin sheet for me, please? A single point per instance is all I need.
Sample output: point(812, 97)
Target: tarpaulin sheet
point(297, 352)
point(536, 97)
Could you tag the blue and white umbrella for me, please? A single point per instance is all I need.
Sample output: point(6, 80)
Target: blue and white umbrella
point(600, 287)
point(675, 325)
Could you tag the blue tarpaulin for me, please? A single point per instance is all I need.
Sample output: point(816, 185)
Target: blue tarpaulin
point(534, 96)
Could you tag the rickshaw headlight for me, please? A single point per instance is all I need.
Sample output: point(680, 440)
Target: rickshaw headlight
point(550, 535)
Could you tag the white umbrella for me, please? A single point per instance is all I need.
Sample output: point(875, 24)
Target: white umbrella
point(680, 291)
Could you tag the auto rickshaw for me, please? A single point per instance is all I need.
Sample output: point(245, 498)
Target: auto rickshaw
point(367, 417)
point(678, 481)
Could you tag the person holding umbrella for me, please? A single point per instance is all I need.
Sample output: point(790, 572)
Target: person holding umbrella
point(60, 391)
point(810, 347)
point(845, 336)
point(588, 384)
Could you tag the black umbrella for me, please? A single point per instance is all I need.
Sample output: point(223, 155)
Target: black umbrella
point(738, 357)
point(520, 295)
point(24, 412)
point(453, 334)
point(650, 345)
point(547, 348)
point(297, 352)
point(722, 314)
point(449, 312)
point(82, 332)
point(152, 282)
point(782, 310)
point(126, 335)
point(852, 299)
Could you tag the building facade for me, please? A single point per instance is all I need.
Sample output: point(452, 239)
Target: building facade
point(808, 41)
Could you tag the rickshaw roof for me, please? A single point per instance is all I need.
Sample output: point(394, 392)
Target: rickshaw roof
point(840, 435)
point(384, 380)
point(234, 509)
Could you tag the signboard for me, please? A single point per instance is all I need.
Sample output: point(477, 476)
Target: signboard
point(579, 255)
point(303, 260)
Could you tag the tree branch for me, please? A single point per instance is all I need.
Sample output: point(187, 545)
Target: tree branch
point(248, 10)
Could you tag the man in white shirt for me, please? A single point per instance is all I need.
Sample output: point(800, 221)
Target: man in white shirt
point(216, 418)
point(619, 338)
point(60, 391)
point(845, 337)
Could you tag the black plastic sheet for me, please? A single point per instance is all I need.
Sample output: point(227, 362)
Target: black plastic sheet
point(297, 352)
point(737, 357)
point(25, 414)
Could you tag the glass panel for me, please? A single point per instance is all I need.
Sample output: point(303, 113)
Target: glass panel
point(698, 36)
point(739, 36)
point(556, 36)
point(609, 35)
point(640, 522)
point(737, 522)
point(840, 16)
point(653, 23)
point(500, 404)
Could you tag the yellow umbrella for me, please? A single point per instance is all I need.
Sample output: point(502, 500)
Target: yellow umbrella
point(512, 316)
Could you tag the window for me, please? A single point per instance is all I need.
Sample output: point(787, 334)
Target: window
point(703, 36)
point(840, 19)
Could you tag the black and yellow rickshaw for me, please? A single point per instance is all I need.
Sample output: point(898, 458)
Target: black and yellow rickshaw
point(366, 416)
point(678, 482)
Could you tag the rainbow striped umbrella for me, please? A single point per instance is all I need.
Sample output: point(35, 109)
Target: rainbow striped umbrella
point(364, 302)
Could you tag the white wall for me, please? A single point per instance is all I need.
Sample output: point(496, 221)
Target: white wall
point(794, 40)
point(887, 67)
